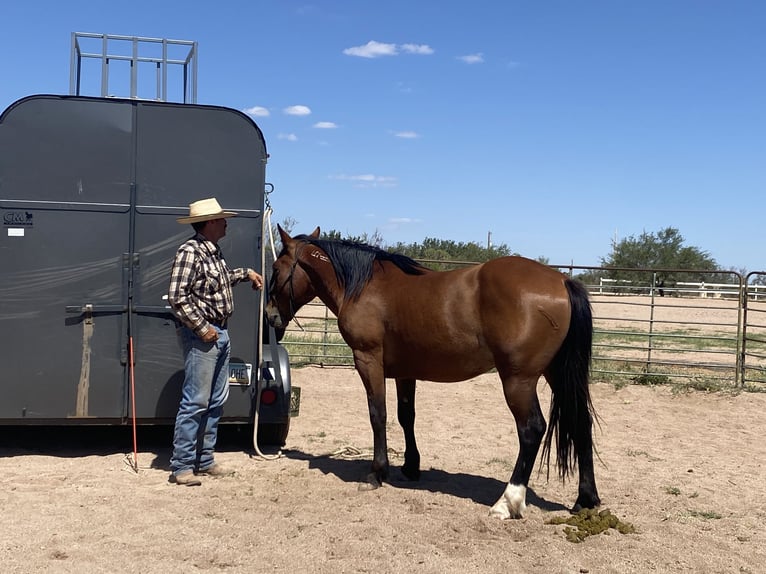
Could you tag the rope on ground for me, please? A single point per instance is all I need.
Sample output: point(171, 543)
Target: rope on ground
point(350, 452)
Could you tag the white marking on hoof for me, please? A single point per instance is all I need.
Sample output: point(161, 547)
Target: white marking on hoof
point(512, 504)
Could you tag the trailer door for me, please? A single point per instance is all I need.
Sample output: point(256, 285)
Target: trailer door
point(65, 188)
point(186, 153)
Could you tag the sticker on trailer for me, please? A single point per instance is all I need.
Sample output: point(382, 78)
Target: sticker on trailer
point(19, 218)
point(268, 374)
point(14, 232)
point(239, 373)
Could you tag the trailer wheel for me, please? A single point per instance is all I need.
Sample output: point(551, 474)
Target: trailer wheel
point(273, 434)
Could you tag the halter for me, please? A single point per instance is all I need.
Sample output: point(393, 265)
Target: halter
point(291, 292)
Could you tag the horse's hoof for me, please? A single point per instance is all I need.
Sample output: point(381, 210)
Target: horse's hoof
point(585, 502)
point(511, 504)
point(411, 474)
point(370, 483)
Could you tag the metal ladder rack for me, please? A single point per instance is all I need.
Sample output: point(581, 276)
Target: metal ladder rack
point(140, 52)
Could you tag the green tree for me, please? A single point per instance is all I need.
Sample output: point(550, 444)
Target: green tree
point(432, 249)
point(447, 250)
point(288, 224)
point(376, 239)
point(663, 251)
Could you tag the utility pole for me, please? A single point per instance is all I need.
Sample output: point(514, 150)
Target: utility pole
point(489, 240)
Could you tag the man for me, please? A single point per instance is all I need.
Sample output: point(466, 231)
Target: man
point(201, 298)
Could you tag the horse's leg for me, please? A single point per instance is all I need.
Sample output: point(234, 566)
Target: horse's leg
point(521, 396)
point(370, 370)
point(405, 394)
point(587, 494)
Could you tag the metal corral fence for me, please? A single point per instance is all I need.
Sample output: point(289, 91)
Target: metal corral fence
point(709, 334)
point(753, 347)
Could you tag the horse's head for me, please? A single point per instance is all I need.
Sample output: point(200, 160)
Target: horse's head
point(290, 287)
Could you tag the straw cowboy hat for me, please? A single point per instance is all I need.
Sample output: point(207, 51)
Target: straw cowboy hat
point(205, 210)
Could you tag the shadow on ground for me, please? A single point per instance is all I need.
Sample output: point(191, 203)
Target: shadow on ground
point(77, 441)
point(479, 489)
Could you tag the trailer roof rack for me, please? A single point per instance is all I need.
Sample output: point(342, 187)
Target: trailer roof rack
point(153, 57)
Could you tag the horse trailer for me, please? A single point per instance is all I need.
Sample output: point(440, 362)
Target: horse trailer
point(90, 189)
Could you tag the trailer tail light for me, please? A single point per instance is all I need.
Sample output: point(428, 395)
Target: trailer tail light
point(268, 397)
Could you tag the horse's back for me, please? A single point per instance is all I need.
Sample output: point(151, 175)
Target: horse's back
point(454, 325)
point(463, 299)
point(515, 269)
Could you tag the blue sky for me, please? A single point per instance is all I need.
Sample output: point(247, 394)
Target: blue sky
point(556, 126)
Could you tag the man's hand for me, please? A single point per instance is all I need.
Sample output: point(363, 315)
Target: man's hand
point(255, 278)
point(210, 336)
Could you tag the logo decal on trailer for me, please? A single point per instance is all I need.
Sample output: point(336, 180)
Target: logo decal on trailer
point(17, 218)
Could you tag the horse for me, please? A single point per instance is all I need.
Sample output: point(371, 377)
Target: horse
point(407, 322)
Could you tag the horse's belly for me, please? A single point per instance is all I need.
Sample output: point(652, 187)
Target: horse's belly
point(441, 366)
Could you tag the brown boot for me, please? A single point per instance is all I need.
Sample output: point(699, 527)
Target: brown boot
point(185, 478)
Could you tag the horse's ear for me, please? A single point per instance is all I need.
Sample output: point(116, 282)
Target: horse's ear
point(283, 234)
point(315, 233)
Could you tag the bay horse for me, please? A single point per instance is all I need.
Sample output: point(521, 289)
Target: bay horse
point(407, 322)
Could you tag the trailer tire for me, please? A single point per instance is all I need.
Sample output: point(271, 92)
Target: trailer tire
point(273, 434)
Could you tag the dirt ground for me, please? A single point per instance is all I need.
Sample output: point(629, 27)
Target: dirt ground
point(687, 470)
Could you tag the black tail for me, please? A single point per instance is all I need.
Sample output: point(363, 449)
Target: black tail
point(572, 414)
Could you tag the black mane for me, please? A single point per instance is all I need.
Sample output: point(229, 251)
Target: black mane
point(353, 261)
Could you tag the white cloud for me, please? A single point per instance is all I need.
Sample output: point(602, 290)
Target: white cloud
point(373, 49)
point(325, 125)
point(297, 110)
point(403, 220)
point(257, 111)
point(407, 135)
point(472, 58)
point(288, 137)
point(368, 180)
point(423, 49)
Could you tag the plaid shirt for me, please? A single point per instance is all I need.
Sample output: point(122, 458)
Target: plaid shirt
point(200, 285)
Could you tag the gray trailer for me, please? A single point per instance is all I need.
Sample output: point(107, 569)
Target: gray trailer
point(90, 189)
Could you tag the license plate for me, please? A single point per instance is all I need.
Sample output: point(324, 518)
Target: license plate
point(239, 373)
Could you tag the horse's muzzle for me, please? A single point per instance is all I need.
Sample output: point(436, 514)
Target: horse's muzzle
point(274, 317)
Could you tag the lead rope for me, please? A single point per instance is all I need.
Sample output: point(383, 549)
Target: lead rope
point(266, 222)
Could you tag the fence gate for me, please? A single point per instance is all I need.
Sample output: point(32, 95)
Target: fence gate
point(754, 330)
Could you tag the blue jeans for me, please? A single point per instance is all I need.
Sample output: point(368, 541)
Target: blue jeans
point(205, 390)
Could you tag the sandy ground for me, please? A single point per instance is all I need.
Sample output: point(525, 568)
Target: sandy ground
point(686, 470)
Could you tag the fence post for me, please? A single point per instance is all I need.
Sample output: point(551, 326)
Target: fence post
point(325, 333)
point(739, 377)
point(652, 290)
